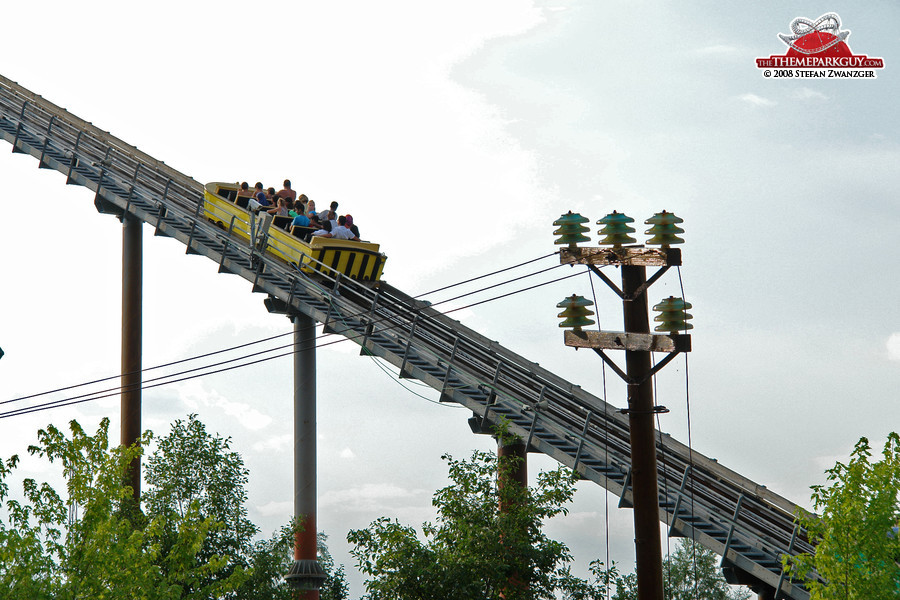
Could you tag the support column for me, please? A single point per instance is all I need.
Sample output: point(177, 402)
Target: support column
point(132, 283)
point(511, 448)
point(514, 449)
point(648, 544)
point(306, 574)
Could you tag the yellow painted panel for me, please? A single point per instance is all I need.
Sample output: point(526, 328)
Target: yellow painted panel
point(335, 254)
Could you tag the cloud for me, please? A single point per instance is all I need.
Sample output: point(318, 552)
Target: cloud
point(278, 443)
point(347, 453)
point(372, 497)
point(893, 346)
point(276, 508)
point(581, 517)
point(805, 93)
point(756, 100)
point(195, 395)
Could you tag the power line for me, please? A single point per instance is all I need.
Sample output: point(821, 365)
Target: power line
point(169, 364)
point(167, 379)
point(452, 285)
point(247, 344)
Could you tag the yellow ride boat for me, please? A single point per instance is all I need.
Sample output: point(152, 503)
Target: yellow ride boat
point(358, 260)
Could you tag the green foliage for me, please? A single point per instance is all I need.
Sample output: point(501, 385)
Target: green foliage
point(857, 544)
point(605, 581)
point(473, 550)
point(335, 586)
point(84, 545)
point(691, 572)
point(192, 468)
point(194, 543)
point(270, 559)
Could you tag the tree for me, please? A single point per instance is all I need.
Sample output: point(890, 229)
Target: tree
point(193, 542)
point(83, 544)
point(692, 572)
point(689, 573)
point(270, 559)
point(190, 467)
point(856, 536)
point(473, 550)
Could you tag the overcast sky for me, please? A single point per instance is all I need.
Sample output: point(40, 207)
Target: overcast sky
point(456, 133)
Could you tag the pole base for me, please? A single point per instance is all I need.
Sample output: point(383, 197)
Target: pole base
point(306, 574)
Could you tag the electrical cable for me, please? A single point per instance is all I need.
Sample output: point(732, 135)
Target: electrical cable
point(244, 345)
point(512, 293)
point(662, 453)
point(687, 398)
point(169, 364)
point(498, 285)
point(104, 394)
point(605, 432)
point(415, 393)
point(452, 285)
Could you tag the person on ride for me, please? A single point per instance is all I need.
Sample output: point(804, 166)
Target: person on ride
point(245, 192)
point(324, 214)
point(341, 232)
point(351, 226)
point(298, 206)
point(325, 231)
point(300, 220)
point(280, 210)
point(311, 209)
point(259, 198)
point(332, 218)
point(286, 191)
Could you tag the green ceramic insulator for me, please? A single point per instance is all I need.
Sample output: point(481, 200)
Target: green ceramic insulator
point(673, 315)
point(616, 229)
point(575, 312)
point(665, 229)
point(571, 230)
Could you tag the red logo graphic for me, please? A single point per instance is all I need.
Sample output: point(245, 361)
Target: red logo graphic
point(819, 45)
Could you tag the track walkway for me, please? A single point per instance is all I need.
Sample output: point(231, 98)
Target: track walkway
point(748, 525)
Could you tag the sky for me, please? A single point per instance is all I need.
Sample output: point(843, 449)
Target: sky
point(456, 133)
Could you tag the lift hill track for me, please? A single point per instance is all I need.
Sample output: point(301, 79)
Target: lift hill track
point(750, 526)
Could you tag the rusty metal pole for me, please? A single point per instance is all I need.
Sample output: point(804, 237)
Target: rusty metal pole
point(132, 283)
point(512, 448)
point(647, 540)
point(306, 574)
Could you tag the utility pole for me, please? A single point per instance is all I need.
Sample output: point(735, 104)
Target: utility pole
point(638, 343)
point(648, 546)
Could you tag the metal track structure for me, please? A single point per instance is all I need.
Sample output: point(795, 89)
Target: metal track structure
point(742, 521)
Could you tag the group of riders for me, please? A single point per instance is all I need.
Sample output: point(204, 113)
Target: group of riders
point(286, 203)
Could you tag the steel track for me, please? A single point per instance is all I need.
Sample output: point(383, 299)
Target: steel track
point(751, 527)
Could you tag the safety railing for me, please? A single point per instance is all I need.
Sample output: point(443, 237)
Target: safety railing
point(748, 525)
